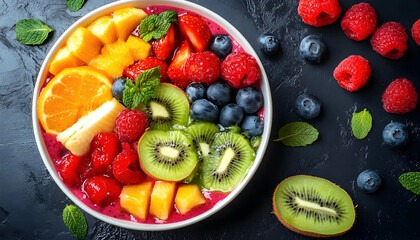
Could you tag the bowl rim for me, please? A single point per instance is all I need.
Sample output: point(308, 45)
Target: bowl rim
point(108, 8)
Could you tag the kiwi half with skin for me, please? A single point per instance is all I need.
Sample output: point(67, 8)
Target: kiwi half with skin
point(313, 206)
point(167, 155)
point(170, 107)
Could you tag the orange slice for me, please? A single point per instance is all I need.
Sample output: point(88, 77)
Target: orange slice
point(73, 93)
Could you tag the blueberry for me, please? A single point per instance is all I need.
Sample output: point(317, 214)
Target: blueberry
point(231, 114)
point(250, 99)
point(312, 49)
point(221, 45)
point(203, 110)
point(195, 91)
point(268, 44)
point(369, 181)
point(253, 125)
point(395, 135)
point(118, 88)
point(219, 93)
point(307, 106)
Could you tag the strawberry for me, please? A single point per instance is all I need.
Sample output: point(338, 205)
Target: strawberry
point(70, 169)
point(134, 70)
point(196, 30)
point(176, 69)
point(105, 146)
point(102, 190)
point(126, 168)
point(164, 47)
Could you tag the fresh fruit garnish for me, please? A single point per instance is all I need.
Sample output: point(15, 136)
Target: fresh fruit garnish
point(353, 72)
point(269, 44)
point(390, 40)
point(400, 97)
point(250, 99)
point(255, 142)
point(126, 168)
point(253, 125)
point(361, 124)
point(130, 125)
point(297, 134)
point(161, 200)
point(104, 148)
point(221, 45)
point(411, 181)
point(126, 20)
point(102, 190)
point(219, 93)
point(139, 48)
point(196, 30)
point(396, 135)
point(164, 47)
point(104, 28)
point(307, 106)
point(203, 110)
point(64, 59)
point(84, 45)
point(240, 70)
point(118, 89)
point(69, 169)
point(73, 93)
point(135, 199)
point(369, 181)
point(415, 32)
point(195, 91)
point(167, 155)
point(156, 26)
point(313, 49)
point(319, 13)
point(142, 65)
point(188, 197)
point(32, 31)
point(176, 68)
point(313, 206)
point(231, 114)
point(202, 67)
point(359, 21)
point(202, 134)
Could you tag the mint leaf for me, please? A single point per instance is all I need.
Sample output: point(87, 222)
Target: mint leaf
point(75, 5)
point(361, 124)
point(297, 134)
point(32, 31)
point(411, 181)
point(156, 26)
point(75, 221)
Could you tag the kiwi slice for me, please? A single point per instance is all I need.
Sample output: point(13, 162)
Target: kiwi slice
point(313, 206)
point(202, 134)
point(170, 107)
point(167, 155)
point(230, 159)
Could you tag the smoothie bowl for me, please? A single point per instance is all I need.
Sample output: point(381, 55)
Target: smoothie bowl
point(152, 115)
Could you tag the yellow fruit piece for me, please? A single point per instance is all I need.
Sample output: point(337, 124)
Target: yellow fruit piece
point(77, 138)
point(113, 59)
point(64, 59)
point(140, 48)
point(104, 28)
point(161, 202)
point(84, 45)
point(135, 199)
point(71, 94)
point(188, 197)
point(126, 20)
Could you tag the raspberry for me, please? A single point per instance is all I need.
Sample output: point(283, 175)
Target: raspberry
point(70, 169)
point(202, 67)
point(415, 32)
point(130, 125)
point(240, 70)
point(319, 12)
point(104, 146)
point(134, 70)
point(390, 40)
point(359, 21)
point(400, 97)
point(352, 73)
point(126, 167)
point(102, 190)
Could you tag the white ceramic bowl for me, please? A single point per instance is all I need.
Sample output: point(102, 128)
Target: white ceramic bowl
point(107, 9)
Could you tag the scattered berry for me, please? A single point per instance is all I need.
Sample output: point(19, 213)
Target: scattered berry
point(319, 12)
point(250, 99)
point(359, 21)
point(395, 135)
point(126, 167)
point(369, 181)
point(104, 146)
point(203, 110)
point(253, 125)
point(353, 72)
point(176, 69)
point(102, 190)
point(70, 169)
point(390, 40)
point(130, 125)
point(219, 93)
point(313, 49)
point(415, 32)
point(268, 44)
point(240, 70)
point(231, 114)
point(221, 45)
point(164, 47)
point(307, 106)
point(195, 91)
point(134, 70)
point(118, 89)
point(196, 30)
point(400, 97)
point(202, 67)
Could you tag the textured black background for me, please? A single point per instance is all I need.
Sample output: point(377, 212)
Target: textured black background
point(31, 204)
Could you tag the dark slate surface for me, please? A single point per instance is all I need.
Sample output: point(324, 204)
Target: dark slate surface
point(31, 204)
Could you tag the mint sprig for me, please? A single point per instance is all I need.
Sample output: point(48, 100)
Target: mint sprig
point(411, 181)
point(156, 26)
point(32, 31)
point(75, 5)
point(143, 89)
point(75, 221)
point(361, 124)
point(297, 134)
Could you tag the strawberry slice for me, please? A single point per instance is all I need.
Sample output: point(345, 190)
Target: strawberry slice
point(196, 30)
point(176, 69)
point(164, 47)
point(134, 70)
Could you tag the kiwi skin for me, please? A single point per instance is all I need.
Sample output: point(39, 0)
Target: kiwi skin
point(294, 229)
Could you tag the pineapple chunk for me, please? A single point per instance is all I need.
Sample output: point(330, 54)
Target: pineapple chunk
point(140, 49)
point(126, 20)
point(84, 45)
point(161, 202)
point(188, 197)
point(64, 59)
point(104, 28)
point(135, 199)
